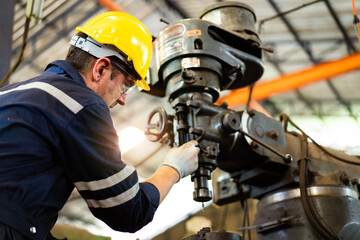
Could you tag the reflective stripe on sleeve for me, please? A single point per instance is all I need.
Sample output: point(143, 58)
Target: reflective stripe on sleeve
point(65, 99)
point(107, 182)
point(114, 201)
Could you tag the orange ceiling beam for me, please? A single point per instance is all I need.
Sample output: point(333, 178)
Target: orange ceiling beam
point(292, 81)
point(111, 5)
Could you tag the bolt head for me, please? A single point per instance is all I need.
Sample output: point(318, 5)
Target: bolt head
point(33, 230)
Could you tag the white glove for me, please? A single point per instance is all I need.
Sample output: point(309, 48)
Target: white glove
point(183, 159)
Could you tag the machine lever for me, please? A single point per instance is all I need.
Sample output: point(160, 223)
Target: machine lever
point(287, 157)
point(269, 225)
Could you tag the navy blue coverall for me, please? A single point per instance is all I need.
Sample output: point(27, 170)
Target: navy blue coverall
point(56, 133)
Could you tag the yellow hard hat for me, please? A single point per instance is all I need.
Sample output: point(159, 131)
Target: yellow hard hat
point(128, 35)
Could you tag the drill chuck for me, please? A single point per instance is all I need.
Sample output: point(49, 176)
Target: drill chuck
point(200, 178)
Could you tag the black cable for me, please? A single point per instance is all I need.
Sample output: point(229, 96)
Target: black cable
point(285, 118)
point(19, 58)
point(261, 22)
point(310, 211)
point(248, 218)
point(309, 208)
point(251, 87)
point(305, 199)
point(244, 219)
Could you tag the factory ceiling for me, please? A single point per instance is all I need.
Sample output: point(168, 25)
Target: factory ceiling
point(312, 71)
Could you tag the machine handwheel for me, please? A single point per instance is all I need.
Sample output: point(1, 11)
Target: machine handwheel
point(154, 131)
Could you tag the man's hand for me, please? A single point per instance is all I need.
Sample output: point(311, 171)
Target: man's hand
point(179, 162)
point(183, 159)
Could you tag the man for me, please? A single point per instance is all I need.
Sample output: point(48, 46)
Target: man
point(56, 133)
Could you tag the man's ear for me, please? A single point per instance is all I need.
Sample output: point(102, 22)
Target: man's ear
point(101, 68)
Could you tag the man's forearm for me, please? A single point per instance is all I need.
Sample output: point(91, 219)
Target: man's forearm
point(164, 179)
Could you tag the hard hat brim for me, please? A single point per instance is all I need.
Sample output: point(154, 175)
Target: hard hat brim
point(142, 84)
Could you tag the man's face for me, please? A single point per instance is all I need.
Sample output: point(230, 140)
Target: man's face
point(115, 90)
point(128, 82)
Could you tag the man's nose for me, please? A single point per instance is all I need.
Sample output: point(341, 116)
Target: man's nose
point(121, 100)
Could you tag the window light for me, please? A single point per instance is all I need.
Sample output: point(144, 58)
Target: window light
point(129, 138)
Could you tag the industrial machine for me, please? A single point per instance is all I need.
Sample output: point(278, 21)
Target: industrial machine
point(305, 191)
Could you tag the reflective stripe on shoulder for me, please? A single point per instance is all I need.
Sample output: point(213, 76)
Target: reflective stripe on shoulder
point(65, 99)
point(107, 182)
point(115, 201)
